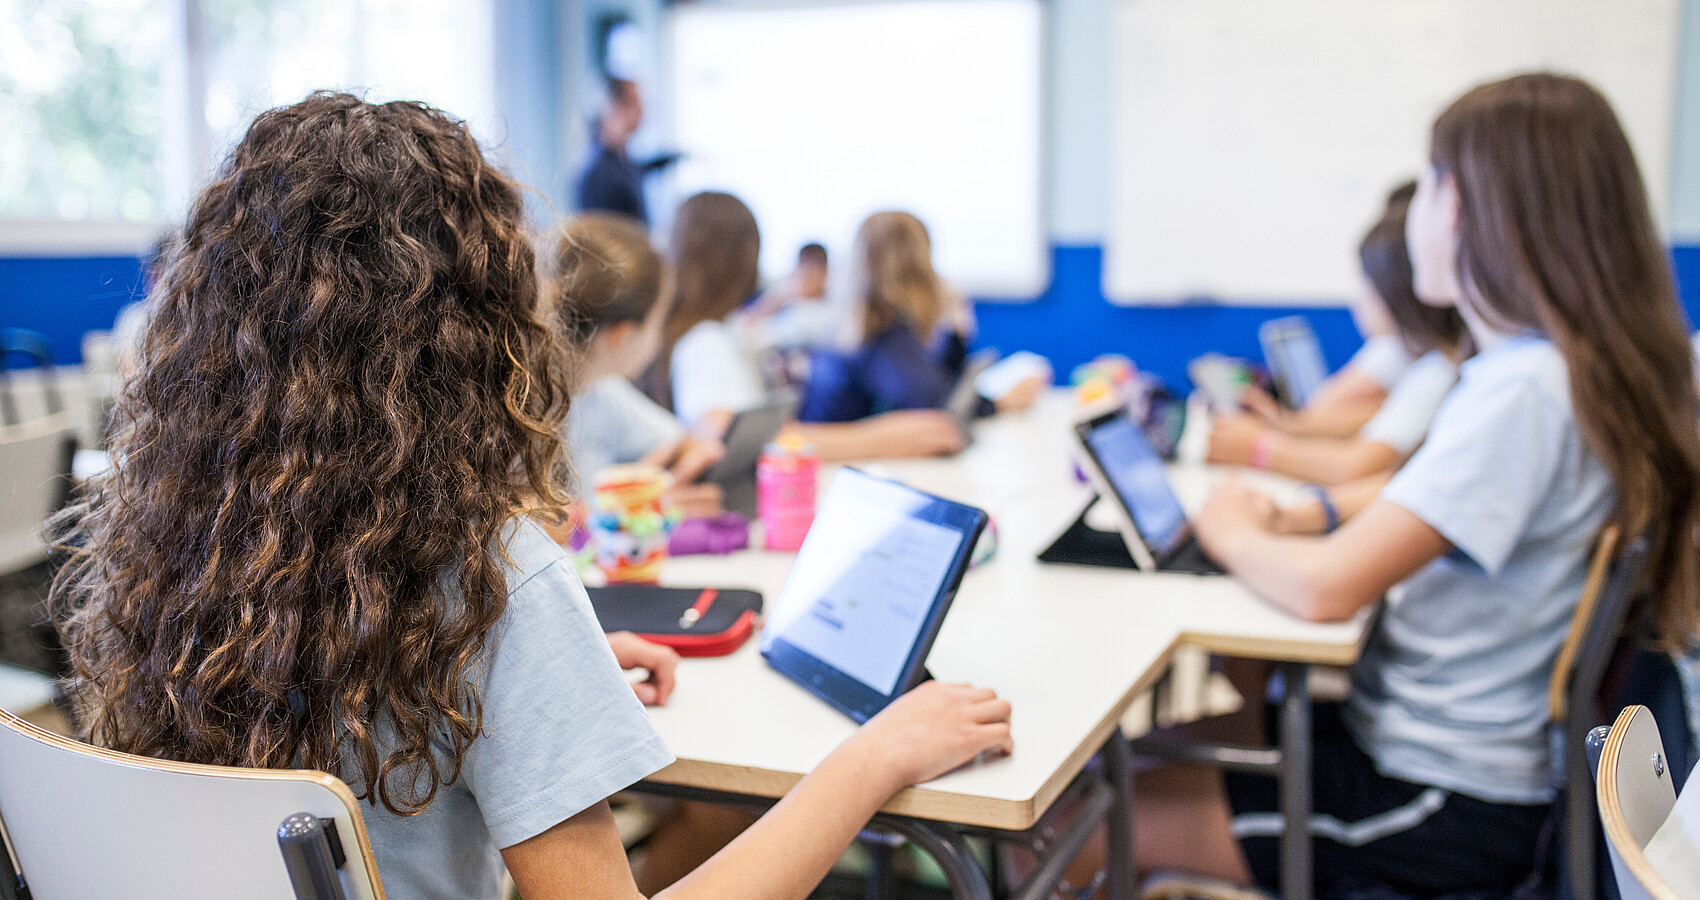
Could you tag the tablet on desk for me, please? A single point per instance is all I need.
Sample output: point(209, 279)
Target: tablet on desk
point(869, 591)
point(1295, 358)
point(749, 432)
point(1129, 475)
point(963, 404)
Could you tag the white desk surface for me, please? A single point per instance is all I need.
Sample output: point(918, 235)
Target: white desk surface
point(1069, 646)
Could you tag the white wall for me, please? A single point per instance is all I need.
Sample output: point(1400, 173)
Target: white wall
point(1080, 81)
point(1685, 177)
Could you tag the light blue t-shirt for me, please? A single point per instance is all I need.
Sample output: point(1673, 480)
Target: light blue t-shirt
point(612, 422)
point(563, 731)
point(1451, 690)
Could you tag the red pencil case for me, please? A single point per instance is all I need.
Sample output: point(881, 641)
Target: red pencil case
point(725, 617)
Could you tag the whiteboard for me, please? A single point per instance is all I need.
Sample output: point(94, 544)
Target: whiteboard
point(1256, 140)
point(818, 115)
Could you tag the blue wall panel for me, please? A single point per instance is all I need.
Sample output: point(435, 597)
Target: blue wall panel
point(1070, 323)
point(63, 298)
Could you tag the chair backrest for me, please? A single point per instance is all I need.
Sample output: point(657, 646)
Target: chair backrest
point(1650, 853)
point(1572, 693)
point(35, 465)
point(85, 822)
point(32, 345)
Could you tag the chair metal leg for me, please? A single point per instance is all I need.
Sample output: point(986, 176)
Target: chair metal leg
point(308, 858)
point(1121, 880)
point(1295, 729)
point(1581, 813)
point(961, 870)
point(12, 884)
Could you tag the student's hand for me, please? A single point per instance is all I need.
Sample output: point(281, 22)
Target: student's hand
point(1231, 440)
point(935, 728)
point(660, 662)
point(1024, 393)
point(1260, 404)
point(913, 432)
point(1232, 511)
point(699, 501)
point(688, 458)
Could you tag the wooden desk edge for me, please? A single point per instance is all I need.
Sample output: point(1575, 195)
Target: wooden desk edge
point(920, 802)
point(1316, 652)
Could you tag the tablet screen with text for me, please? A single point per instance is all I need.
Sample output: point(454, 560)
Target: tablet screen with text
point(871, 582)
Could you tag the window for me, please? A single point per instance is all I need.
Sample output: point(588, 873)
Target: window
point(115, 110)
point(80, 100)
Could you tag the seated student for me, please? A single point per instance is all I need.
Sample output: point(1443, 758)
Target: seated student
point(898, 301)
point(1434, 336)
point(704, 372)
point(901, 306)
point(1577, 412)
point(605, 299)
point(1383, 310)
point(312, 551)
point(796, 314)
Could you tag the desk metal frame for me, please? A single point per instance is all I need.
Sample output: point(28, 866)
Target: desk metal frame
point(1100, 795)
point(1288, 763)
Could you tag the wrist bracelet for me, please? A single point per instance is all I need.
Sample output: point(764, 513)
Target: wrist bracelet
point(1330, 513)
point(1263, 448)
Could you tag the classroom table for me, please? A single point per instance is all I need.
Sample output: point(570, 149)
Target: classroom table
point(1071, 647)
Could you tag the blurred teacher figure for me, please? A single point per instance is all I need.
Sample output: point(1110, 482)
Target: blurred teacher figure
point(613, 181)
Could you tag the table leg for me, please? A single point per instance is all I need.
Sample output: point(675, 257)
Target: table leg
point(1295, 731)
point(1120, 877)
point(961, 870)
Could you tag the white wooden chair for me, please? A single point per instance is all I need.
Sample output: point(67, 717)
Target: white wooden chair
point(80, 822)
point(35, 459)
point(1653, 837)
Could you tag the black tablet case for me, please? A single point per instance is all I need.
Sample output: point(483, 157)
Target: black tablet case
point(1082, 545)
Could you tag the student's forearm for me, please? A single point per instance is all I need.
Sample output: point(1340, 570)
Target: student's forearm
point(787, 852)
point(1338, 419)
point(1308, 517)
point(1345, 387)
point(1330, 461)
point(835, 441)
point(1295, 573)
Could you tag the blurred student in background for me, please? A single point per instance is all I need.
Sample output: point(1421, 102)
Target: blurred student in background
point(607, 299)
point(1298, 444)
point(901, 306)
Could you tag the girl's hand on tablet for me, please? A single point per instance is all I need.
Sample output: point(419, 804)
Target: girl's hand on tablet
point(660, 662)
point(688, 458)
point(935, 728)
point(1259, 403)
point(1232, 510)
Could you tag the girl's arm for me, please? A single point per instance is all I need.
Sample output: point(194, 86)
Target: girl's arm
point(900, 433)
point(1308, 517)
point(1340, 406)
point(927, 732)
point(1240, 441)
point(1320, 579)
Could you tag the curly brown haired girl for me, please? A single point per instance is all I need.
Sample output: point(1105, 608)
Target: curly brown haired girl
point(308, 554)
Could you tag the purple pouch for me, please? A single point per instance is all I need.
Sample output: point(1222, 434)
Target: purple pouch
point(720, 535)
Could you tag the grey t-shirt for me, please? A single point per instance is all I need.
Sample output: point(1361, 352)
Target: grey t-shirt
point(614, 422)
point(1451, 689)
point(563, 731)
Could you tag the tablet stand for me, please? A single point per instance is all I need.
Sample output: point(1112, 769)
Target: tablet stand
point(1082, 545)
